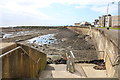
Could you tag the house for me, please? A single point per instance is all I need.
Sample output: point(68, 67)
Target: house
point(85, 23)
point(77, 24)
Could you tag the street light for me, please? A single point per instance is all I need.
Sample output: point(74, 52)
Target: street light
point(108, 6)
point(108, 13)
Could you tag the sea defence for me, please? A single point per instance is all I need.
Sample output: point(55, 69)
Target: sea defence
point(107, 41)
point(24, 61)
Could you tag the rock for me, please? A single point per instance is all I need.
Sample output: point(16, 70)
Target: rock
point(49, 61)
point(102, 67)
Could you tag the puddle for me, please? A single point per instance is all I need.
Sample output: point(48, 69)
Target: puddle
point(45, 39)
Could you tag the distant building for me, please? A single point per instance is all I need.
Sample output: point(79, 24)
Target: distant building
point(77, 24)
point(102, 21)
point(85, 23)
point(108, 21)
point(116, 21)
point(105, 21)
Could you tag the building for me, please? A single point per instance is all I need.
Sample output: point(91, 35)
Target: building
point(102, 21)
point(116, 21)
point(108, 20)
point(77, 24)
point(105, 21)
point(85, 23)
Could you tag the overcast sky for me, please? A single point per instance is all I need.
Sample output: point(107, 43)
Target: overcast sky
point(53, 12)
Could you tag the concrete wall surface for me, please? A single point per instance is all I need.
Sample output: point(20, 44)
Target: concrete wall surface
point(0, 69)
point(105, 43)
point(110, 48)
point(26, 63)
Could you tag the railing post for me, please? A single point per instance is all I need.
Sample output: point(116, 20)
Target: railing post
point(70, 62)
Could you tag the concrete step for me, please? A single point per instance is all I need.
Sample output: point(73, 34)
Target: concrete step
point(79, 69)
point(58, 74)
point(56, 67)
point(64, 74)
point(88, 71)
point(46, 74)
point(92, 73)
point(58, 71)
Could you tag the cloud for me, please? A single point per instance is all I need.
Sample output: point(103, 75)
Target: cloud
point(99, 6)
point(31, 8)
point(19, 7)
point(113, 9)
point(81, 6)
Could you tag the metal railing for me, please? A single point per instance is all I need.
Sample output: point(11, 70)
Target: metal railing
point(2, 55)
point(88, 55)
point(82, 55)
point(115, 62)
point(70, 62)
point(21, 61)
point(19, 47)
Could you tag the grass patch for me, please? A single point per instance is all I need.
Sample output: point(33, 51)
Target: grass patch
point(115, 28)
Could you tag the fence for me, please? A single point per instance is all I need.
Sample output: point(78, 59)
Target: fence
point(82, 55)
point(70, 62)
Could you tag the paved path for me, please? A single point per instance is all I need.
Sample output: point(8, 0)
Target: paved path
point(88, 71)
point(58, 71)
point(82, 71)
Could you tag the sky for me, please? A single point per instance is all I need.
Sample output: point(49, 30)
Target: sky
point(53, 12)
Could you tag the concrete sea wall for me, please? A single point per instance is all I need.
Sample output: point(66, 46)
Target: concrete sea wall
point(106, 43)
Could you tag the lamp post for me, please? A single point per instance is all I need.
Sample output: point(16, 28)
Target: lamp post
point(108, 13)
